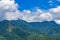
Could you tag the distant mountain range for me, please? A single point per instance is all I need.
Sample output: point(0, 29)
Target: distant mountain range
point(17, 29)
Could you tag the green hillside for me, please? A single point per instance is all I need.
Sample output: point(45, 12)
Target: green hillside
point(22, 30)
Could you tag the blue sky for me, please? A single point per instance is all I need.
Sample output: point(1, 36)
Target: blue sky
point(30, 10)
point(42, 4)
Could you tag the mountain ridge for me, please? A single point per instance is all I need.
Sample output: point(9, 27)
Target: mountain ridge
point(19, 29)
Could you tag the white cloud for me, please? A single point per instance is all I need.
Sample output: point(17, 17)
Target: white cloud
point(31, 16)
point(55, 12)
point(8, 10)
point(57, 21)
point(46, 17)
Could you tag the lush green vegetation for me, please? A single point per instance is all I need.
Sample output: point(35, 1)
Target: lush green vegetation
point(29, 37)
point(21, 30)
point(42, 37)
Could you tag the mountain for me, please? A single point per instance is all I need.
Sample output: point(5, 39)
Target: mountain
point(15, 29)
point(22, 30)
point(23, 25)
point(50, 27)
point(10, 32)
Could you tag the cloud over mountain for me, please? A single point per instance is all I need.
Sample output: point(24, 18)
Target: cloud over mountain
point(9, 11)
